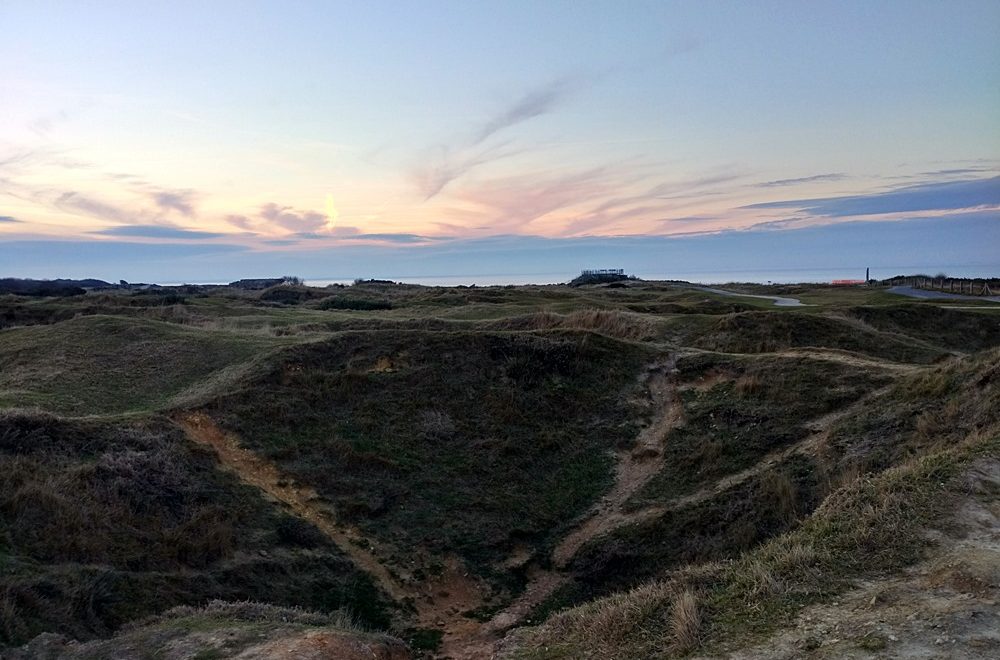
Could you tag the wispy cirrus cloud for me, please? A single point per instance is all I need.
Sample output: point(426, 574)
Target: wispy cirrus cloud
point(439, 166)
point(83, 204)
point(534, 103)
point(8, 218)
point(394, 238)
point(816, 178)
point(514, 204)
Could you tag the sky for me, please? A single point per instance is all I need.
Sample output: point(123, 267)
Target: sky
point(192, 141)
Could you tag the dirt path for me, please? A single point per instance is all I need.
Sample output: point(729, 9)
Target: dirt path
point(633, 467)
point(826, 355)
point(820, 431)
point(440, 600)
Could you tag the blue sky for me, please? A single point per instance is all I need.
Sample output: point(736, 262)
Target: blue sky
point(399, 138)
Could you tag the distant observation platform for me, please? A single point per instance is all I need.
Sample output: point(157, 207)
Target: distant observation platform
point(613, 272)
point(600, 276)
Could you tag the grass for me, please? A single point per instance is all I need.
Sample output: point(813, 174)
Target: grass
point(456, 442)
point(111, 365)
point(221, 629)
point(761, 332)
point(758, 405)
point(102, 523)
point(868, 528)
point(871, 525)
point(477, 421)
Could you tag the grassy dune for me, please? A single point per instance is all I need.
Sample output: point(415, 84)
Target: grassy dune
point(457, 436)
point(99, 365)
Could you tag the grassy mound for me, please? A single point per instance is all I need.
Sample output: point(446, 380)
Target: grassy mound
point(764, 332)
point(107, 365)
point(457, 442)
point(949, 328)
point(100, 524)
point(865, 529)
point(227, 630)
point(872, 524)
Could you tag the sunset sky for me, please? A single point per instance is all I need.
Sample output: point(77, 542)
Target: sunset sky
point(206, 141)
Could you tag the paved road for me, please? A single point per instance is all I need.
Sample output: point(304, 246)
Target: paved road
point(925, 293)
point(778, 300)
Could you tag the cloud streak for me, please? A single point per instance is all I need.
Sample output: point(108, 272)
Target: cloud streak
point(82, 204)
point(157, 231)
point(439, 166)
point(935, 196)
point(833, 176)
point(533, 104)
point(181, 201)
point(291, 219)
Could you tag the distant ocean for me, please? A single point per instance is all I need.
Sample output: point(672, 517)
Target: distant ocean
point(776, 276)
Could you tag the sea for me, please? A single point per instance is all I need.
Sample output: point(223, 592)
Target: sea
point(770, 276)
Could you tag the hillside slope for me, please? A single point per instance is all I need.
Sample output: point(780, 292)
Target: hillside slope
point(644, 471)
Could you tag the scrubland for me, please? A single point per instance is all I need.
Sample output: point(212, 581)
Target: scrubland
point(641, 470)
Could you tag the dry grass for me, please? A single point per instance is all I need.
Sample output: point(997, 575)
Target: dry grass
point(750, 384)
point(605, 627)
point(780, 491)
point(251, 611)
point(613, 323)
point(872, 525)
point(685, 621)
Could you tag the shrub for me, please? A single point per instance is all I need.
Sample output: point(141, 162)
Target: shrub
point(361, 304)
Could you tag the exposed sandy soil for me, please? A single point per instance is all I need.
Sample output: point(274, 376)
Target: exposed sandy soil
point(302, 501)
point(321, 645)
point(634, 467)
point(943, 607)
point(243, 641)
point(440, 600)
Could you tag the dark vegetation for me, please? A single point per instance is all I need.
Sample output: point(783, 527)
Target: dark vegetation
point(723, 525)
point(859, 510)
point(25, 287)
point(480, 422)
point(513, 424)
point(103, 523)
point(753, 406)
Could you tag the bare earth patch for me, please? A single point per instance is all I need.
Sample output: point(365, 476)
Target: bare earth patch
point(440, 600)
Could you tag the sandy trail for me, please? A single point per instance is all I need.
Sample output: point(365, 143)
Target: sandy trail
point(825, 355)
point(439, 600)
point(634, 467)
point(820, 431)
